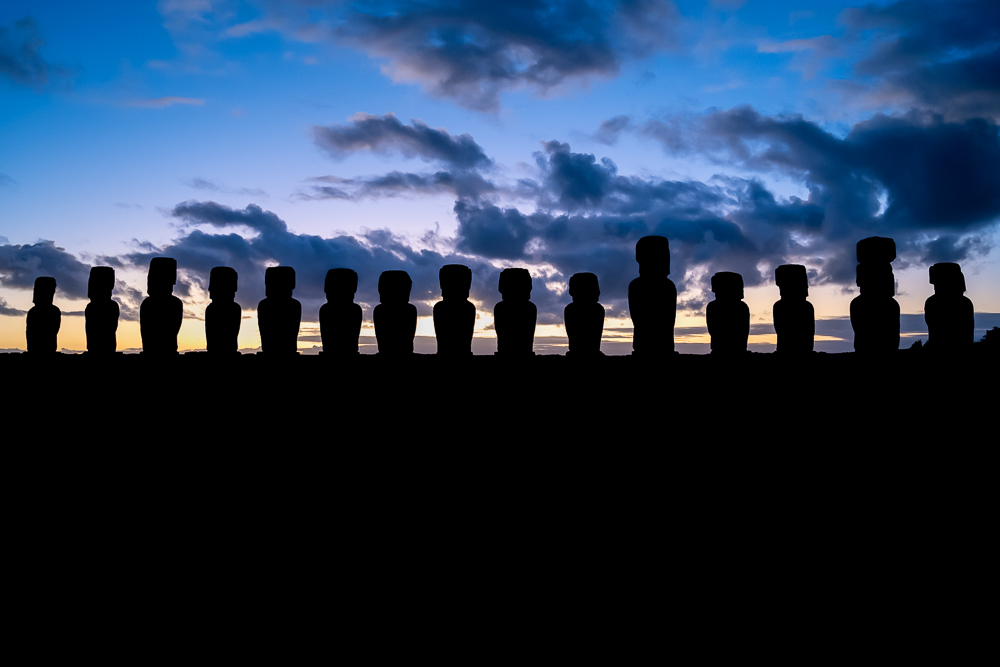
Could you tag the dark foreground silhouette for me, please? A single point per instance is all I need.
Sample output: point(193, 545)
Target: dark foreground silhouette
point(874, 312)
point(794, 317)
point(584, 317)
point(950, 315)
point(454, 315)
point(102, 312)
point(42, 327)
point(161, 313)
point(514, 317)
point(223, 316)
point(278, 314)
point(340, 318)
point(395, 318)
point(728, 317)
point(652, 299)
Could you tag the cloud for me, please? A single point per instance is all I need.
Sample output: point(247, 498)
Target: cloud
point(611, 129)
point(204, 184)
point(162, 102)
point(20, 60)
point(385, 134)
point(942, 57)
point(10, 311)
point(464, 185)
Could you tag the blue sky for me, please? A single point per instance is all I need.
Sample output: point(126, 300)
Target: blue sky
point(403, 135)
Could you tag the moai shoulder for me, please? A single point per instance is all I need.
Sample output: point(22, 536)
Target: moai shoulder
point(44, 318)
point(278, 314)
point(728, 317)
point(454, 315)
point(949, 314)
point(794, 317)
point(514, 316)
point(340, 318)
point(395, 318)
point(652, 299)
point(102, 313)
point(223, 316)
point(161, 313)
point(584, 317)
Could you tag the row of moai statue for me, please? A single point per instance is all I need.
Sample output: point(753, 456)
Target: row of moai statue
point(652, 299)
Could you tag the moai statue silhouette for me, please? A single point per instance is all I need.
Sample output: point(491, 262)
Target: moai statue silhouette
point(728, 316)
point(949, 314)
point(652, 299)
point(340, 317)
point(874, 312)
point(584, 317)
point(223, 316)
point(794, 317)
point(514, 317)
point(43, 319)
point(395, 318)
point(278, 314)
point(101, 315)
point(454, 315)
point(161, 312)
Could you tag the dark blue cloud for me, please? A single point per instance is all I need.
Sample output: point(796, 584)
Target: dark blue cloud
point(20, 59)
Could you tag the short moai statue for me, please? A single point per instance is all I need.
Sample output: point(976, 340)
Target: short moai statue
point(43, 319)
point(161, 312)
point(454, 315)
point(728, 316)
point(652, 299)
point(278, 314)
point(101, 314)
point(794, 317)
point(874, 312)
point(949, 314)
point(514, 317)
point(584, 317)
point(395, 318)
point(340, 318)
point(223, 316)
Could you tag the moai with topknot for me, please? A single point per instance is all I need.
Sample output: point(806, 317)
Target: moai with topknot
point(340, 317)
point(161, 312)
point(874, 312)
point(584, 317)
point(794, 317)
point(278, 314)
point(395, 318)
point(43, 319)
point(101, 314)
point(949, 314)
point(514, 316)
point(728, 316)
point(223, 316)
point(652, 299)
point(454, 315)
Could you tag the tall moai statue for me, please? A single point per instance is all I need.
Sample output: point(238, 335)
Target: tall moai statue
point(794, 317)
point(223, 316)
point(728, 316)
point(395, 318)
point(514, 316)
point(652, 299)
point(44, 318)
point(584, 317)
point(874, 312)
point(949, 314)
point(278, 314)
point(340, 317)
point(454, 315)
point(101, 314)
point(161, 312)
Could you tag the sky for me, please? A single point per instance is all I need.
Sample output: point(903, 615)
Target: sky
point(546, 135)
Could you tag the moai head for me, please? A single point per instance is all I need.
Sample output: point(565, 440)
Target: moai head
point(162, 275)
point(341, 284)
point(394, 287)
point(727, 286)
point(456, 281)
point(653, 255)
point(876, 279)
point(946, 277)
point(583, 288)
point(45, 290)
point(515, 284)
point(222, 283)
point(792, 281)
point(101, 283)
point(279, 281)
point(876, 250)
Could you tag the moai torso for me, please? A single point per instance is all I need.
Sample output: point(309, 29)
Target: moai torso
point(395, 319)
point(584, 317)
point(101, 325)
point(949, 314)
point(340, 327)
point(515, 326)
point(279, 319)
point(43, 328)
point(728, 325)
point(454, 324)
point(160, 318)
point(222, 326)
point(652, 304)
point(795, 324)
point(875, 313)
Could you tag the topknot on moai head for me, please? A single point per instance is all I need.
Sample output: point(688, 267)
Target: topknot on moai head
point(947, 277)
point(876, 279)
point(792, 280)
point(876, 249)
point(653, 252)
point(101, 283)
point(584, 287)
point(727, 285)
point(394, 287)
point(456, 281)
point(341, 283)
point(279, 281)
point(515, 284)
point(223, 282)
point(162, 274)
point(45, 290)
